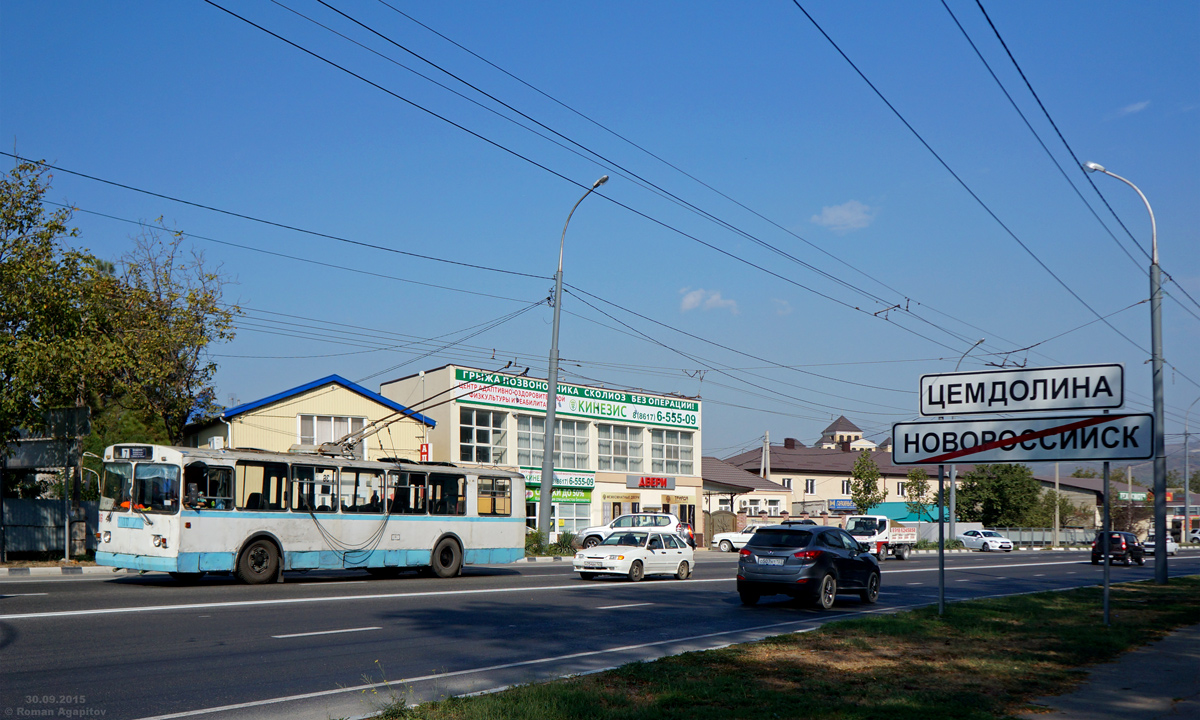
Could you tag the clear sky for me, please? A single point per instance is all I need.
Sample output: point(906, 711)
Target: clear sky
point(766, 214)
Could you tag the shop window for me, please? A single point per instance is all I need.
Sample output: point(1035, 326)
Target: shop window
point(361, 490)
point(314, 489)
point(570, 443)
point(408, 493)
point(447, 494)
point(261, 486)
point(317, 429)
point(619, 448)
point(481, 436)
point(671, 452)
point(574, 517)
point(495, 496)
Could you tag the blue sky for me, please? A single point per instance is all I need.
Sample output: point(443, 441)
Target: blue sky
point(841, 211)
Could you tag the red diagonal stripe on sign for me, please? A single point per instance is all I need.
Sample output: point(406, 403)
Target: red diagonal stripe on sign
point(1086, 422)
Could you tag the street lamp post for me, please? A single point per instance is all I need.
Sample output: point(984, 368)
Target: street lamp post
point(1160, 454)
point(547, 482)
point(1187, 478)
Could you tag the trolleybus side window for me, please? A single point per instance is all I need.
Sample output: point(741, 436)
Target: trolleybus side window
point(261, 486)
point(362, 490)
point(408, 493)
point(207, 488)
point(156, 488)
point(495, 496)
point(314, 489)
point(447, 494)
point(114, 488)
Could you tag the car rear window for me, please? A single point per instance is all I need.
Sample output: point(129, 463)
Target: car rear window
point(769, 537)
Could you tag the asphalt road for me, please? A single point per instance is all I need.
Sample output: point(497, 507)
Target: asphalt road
point(318, 645)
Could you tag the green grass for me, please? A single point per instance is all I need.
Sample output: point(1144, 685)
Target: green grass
point(983, 659)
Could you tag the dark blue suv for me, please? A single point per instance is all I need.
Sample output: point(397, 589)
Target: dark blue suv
point(805, 561)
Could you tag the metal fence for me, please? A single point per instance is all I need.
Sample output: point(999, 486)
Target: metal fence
point(37, 525)
point(1044, 537)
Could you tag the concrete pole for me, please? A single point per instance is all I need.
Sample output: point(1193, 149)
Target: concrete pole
point(1056, 518)
point(547, 486)
point(941, 540)
point(1105, 544)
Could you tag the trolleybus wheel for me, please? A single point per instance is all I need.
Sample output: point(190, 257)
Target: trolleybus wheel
point(447, 559)
point(259, 563)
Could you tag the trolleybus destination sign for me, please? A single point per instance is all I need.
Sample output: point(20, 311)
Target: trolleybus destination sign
point(1098, 437)
point(1053, 389)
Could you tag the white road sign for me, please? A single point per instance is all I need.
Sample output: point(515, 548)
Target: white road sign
point(1071, 387)
point(1099, 437)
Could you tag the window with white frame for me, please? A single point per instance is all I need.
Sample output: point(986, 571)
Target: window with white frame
point(845, 487)
point(786, 482)
point(671, 452)
point(482, 437)
point(619, 448)
point(724, 503)
point(810, 486)
point(570, 442)
point(773, 506)
point(900, 488)
point(317, 429)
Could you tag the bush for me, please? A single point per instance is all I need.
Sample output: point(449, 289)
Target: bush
point(565, 544)
point(932, 545)
point(535, 543)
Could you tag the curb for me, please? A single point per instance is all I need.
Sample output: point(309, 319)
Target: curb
point(67, 570)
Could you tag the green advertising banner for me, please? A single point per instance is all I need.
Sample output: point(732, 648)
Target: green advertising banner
point(560, 495)
point(497, 389)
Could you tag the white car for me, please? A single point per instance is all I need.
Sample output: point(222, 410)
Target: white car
point(660, 522)
point(736, 540)
point(636, 554)
point(985, 540)
point(1194, 537)
point(1172, 546)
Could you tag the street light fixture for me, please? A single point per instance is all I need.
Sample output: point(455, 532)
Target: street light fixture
point(1160, 454)
point(547, 482)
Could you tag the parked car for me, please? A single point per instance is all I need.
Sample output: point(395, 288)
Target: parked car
point(1172, 546)
point(636, 554)
point(1122, 546)
point(735, 540)
point(688, 535)
point(663, 522)
point(810, 562)
point(985, 540)
point(1194, 537)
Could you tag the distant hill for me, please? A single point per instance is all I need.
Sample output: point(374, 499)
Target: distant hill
point(1143, 471)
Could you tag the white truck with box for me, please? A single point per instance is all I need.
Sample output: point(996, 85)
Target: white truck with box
point(884, 536)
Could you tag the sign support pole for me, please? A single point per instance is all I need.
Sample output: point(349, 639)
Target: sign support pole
point(941, 540)
point(1105, 545)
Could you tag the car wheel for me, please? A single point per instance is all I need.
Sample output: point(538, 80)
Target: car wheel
point(1125, 560)
point(726, 546)
point(447, 559)
point(636, 572)
point(1141, 561)
point(986, 547)
point(683, 571)
point(748, 598)
point(587, 576)
point(827, 592)
point(591, 541)
point(871, 594)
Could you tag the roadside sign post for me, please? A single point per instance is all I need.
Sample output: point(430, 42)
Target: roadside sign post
point(1104, 438)
point(1105, 544)
point(941, 540)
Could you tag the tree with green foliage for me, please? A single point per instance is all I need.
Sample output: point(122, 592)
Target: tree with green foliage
point(917, 492)
point(998, 495)
point(1042, 513)
point(169, 311)
point(865, 492)
point(55, 344)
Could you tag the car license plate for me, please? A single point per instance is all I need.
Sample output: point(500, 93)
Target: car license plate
point(593, 564)
point(770, 560)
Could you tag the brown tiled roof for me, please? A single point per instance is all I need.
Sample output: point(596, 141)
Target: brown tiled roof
point(722, 472)
point(841, 425)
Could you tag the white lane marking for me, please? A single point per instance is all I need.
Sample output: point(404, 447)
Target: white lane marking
point(1039, 574)
point(964, 580)
point(324, 632)
point(593, 587)
point(915, 583)
point(617, 607)
point(4, 595)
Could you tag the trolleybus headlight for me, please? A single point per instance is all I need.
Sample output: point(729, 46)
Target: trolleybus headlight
point(107, 536)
